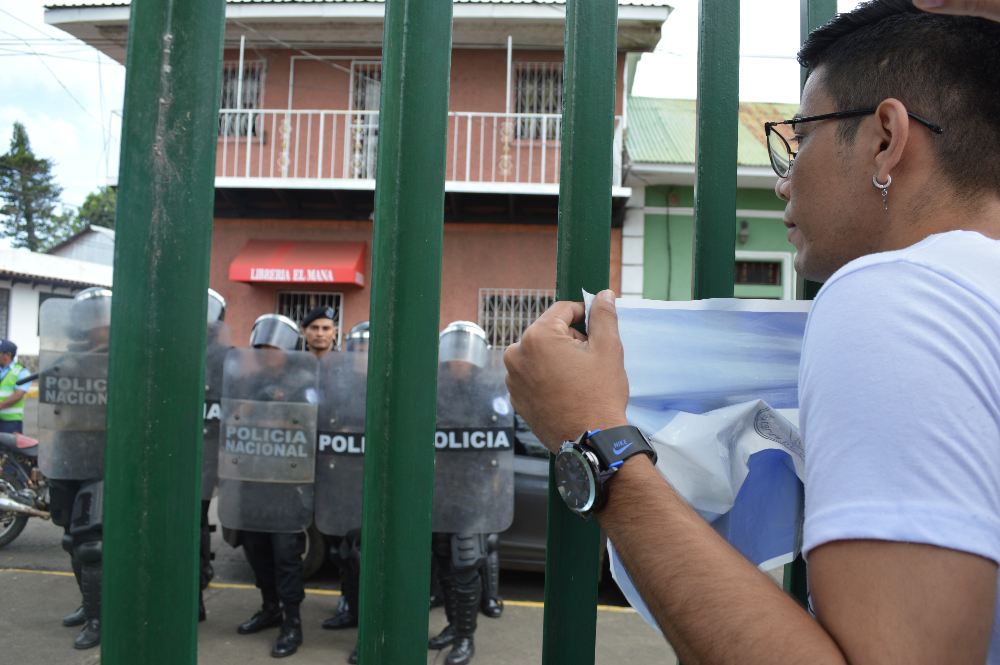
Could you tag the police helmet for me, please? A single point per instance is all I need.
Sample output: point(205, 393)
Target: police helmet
point(216, 306)
point(277, 331)
point(465, 341)
point(91, 310)
point(357, 339)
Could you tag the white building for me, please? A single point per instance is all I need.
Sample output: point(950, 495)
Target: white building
point(27, 279)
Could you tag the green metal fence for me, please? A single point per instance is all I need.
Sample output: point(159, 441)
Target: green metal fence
point(164, 230)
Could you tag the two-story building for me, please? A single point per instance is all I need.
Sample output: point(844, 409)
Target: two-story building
point(297, 147)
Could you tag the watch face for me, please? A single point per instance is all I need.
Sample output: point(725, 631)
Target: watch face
point(575, 480)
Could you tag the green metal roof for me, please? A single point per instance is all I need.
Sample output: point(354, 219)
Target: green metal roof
point(664, 130)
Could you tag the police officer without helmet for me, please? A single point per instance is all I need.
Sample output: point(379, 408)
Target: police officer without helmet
point(319, 328)
point(11, 391)
point(347, 553)
point(276, 558)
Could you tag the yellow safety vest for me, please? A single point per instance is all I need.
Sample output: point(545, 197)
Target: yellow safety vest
point(7, 387)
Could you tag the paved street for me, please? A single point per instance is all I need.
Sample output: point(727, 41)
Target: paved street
point(39, 589)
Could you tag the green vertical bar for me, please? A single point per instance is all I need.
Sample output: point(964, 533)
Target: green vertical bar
point(405, 312)
point(583, 262)
point(156, 372)
point(813, 14)
point(715, 168)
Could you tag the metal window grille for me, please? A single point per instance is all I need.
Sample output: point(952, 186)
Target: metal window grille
point(366, 90)
point(249, 98)
point(296, 304)
point(538, 88)
point(506, 313)
point(758, 273)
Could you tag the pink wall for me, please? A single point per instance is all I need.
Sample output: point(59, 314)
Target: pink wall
point(515, 256)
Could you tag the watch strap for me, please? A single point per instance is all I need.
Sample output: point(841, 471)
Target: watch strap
point(614, 446)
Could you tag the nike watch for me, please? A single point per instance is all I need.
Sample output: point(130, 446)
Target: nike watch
point(583, 467)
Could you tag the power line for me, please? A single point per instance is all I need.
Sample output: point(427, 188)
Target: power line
point(287, 45)
point(45, 64)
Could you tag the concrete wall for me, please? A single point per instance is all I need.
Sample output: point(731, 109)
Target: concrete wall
point(475, 256)
point(90, 246)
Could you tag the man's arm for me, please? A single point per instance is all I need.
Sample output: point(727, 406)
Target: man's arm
point(712, 604)
point(13, 399)
point(982, 8)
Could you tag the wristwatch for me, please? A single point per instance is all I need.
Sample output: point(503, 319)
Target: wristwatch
point(583, 467)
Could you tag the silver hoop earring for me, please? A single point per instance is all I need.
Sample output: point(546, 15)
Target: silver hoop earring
point(888, 181)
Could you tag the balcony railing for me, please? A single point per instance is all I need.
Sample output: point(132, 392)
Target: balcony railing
point(490, 151)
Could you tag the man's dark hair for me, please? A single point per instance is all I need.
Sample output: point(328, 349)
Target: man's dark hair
point(944, 68)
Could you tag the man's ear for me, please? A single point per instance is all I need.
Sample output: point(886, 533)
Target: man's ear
point(891, 134)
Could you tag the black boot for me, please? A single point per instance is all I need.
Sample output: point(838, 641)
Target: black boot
point(202, 614)
point(492, 603)
point(77, 618)
point(90, 582)
point(269, 616)
point(344, 618)
point(290, 638)
point(443, 639)
point(462, 652)
point(353, 658)
point(466, 610)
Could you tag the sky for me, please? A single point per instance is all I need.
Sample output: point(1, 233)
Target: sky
point(67, 94)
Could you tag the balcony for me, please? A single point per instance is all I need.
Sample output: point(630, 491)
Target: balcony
point(502, 153)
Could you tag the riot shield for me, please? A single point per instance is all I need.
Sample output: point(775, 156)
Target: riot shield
point(219, 343)
point(72, 393)
point(340, 443)
point(267, 440)
point(474, 449)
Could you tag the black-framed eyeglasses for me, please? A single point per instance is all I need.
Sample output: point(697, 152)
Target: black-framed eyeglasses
point(781, 153)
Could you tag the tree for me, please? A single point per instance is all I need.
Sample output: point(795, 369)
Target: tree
point(30, 193)
point(98, 209)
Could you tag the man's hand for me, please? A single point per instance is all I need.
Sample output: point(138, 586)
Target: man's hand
point(982, 8)
point(563, 383)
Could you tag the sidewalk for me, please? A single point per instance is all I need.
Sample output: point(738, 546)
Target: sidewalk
point(35, 601)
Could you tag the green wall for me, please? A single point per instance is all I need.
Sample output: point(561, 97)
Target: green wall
point(676, 230)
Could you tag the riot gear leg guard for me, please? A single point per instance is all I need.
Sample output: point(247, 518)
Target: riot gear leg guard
point(88, 550)
point(77, 618)
point(492, 603)
point(348, 557)
point(206, 557)
point(459, 556)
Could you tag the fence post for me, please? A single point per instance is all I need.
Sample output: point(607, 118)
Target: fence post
point(812, 14)
point(405, 313)
point(156, 372)
point(715, 168)
point(584, 259)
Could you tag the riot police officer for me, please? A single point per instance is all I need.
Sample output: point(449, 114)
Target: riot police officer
point(218, 344)
point(342, 411)
point(75, 338)
point(319, 328)
point(275, 555)
point(471, 400)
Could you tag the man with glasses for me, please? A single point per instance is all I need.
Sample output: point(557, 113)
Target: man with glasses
point(891, 172)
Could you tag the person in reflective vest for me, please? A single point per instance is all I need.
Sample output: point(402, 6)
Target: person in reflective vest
point(11, 391)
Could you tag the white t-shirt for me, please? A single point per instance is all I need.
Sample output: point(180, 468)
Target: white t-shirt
point(899, 391)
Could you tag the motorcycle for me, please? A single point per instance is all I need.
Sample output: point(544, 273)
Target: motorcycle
point(24, 491)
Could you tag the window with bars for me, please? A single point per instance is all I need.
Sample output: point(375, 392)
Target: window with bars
point(243, 96)
point(366, 90)
point(760, 273)
point(506, 313)
point(538, 88)
point(296, 304)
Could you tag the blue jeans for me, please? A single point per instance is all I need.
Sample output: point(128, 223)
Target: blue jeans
point(11, 426)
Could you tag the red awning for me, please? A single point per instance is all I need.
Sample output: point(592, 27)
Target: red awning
point(300, 262)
